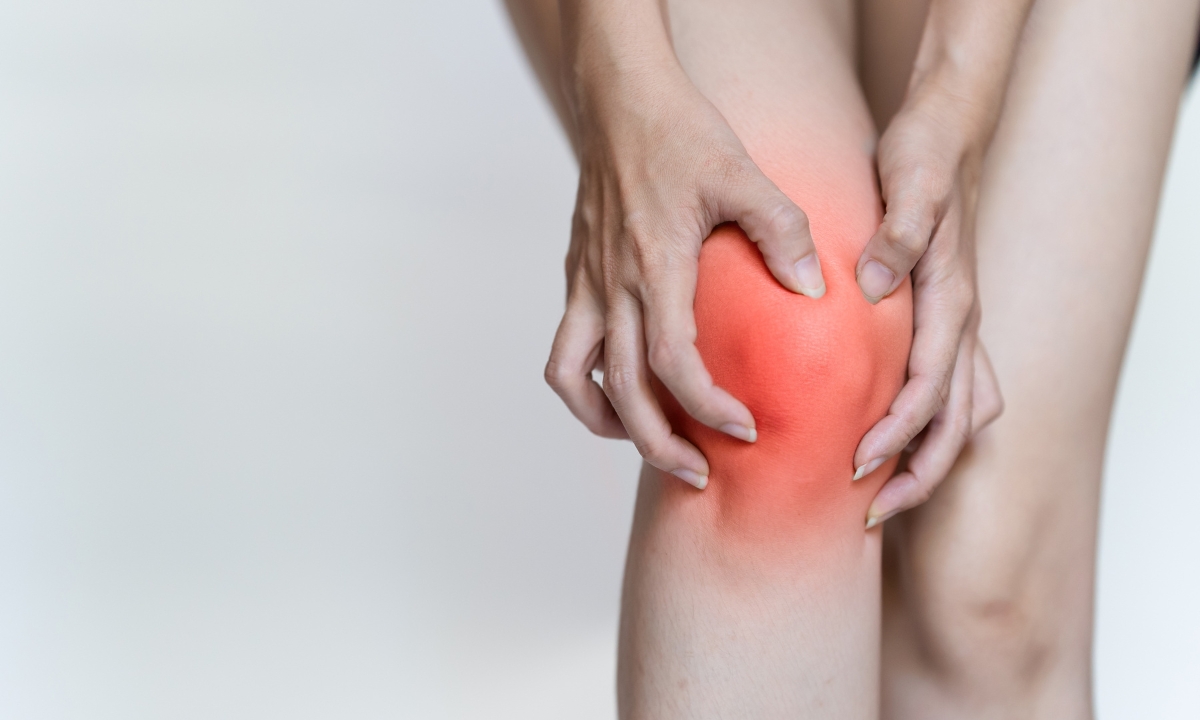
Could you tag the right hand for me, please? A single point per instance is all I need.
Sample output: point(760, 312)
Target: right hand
point(659, 169)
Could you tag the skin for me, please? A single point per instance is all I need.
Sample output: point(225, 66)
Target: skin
point(987, 587)
point(758, 597)
point(660, 168)
point(929, 160)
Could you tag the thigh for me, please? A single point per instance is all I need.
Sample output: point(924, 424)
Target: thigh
point(988, 606)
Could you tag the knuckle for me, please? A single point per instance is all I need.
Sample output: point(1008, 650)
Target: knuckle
point(616, 273)
point(923, 490)
point(941, 389)
point(960, 429)
point(931, 400)
point(637, 228)
point(729, 169)
point(915, 435)
point(666, 356)
point(785, 220)
point(975, 315)
point(580, 282)
point(649, 448)
point(556, 375)
point(613, 284)
point(619, 381)
point(586, 218)
point(642, 249)
point(961, 297)
point(941, 386)
point(653, 446)
point(571, 263)
point(995, 405)
point(907, 236)
point(923, 486)
point(988, 408)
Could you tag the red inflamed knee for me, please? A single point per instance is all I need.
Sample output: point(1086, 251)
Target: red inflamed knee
point(816, 374)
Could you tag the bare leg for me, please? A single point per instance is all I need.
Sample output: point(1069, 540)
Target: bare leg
point(989, 586)
point(759, 598)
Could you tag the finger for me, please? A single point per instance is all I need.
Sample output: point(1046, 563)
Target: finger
point(897, 245)
point(672, 354)
point(986, 400)
point(776, 225)
point(932, 364)
point(627, 385)
point(577, 348)
point(928, 466)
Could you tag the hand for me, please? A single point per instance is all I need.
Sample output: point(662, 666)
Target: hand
point(659, 169)
point(929, 174)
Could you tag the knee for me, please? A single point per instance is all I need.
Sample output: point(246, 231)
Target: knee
point(815, 374)
point(986, 635)
point(1001, 629)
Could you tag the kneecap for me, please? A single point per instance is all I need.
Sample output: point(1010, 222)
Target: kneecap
point(816, 374)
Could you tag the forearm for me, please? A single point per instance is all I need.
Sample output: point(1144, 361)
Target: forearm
point(930, 160)
point(540, 31)
point(585, 52)
point(612, 43)
point(963, 65)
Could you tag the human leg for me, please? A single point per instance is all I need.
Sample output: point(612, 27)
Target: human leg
point(759, 597)
point(989, 585)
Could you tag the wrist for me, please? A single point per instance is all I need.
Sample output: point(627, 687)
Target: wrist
point(962, 67)
point(957, 122)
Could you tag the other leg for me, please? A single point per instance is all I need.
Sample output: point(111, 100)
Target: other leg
point(989, 585)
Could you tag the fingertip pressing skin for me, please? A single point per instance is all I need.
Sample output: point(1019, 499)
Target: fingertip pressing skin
point(875, 280)
point(691, 478)
point(808, 276)
point(868, 468)
point(740, 432)
point(893, 498)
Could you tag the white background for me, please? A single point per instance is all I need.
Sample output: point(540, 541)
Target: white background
point(277, 280)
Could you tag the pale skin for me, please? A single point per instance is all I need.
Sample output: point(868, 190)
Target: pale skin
point(987, 589)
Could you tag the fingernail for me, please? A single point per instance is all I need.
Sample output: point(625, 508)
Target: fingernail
point(808, 276)
point(875, 280)
point(691, 478)
point(868, 468)
point(873, 520)
point(741, 432)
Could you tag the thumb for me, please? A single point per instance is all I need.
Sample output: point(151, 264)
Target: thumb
point(896, 247)
point(778, 227)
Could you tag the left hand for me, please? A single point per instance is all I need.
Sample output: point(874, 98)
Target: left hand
point(929, 168)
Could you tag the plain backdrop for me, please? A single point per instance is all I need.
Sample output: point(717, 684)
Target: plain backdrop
point(277, 282)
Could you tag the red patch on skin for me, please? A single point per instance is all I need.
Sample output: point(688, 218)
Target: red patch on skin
point(816, 374)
